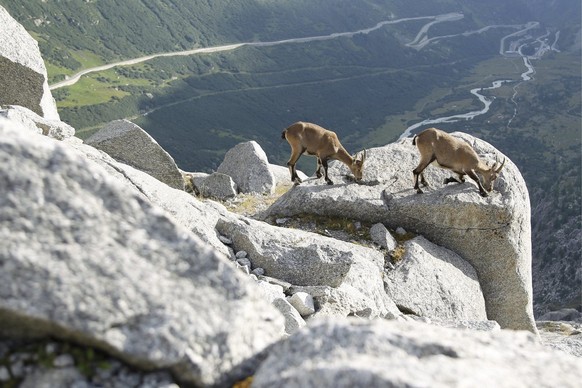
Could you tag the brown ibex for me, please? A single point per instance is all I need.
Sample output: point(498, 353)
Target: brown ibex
point(324, 144)
point(453, 154)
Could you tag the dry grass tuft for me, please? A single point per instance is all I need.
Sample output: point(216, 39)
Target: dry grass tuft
point(398, 253)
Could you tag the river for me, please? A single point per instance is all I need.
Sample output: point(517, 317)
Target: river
point(511, 45)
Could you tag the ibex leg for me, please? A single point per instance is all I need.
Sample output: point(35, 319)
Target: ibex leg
point(291, 164)
point(318, 172)
point(324, 164)
point(418, 171)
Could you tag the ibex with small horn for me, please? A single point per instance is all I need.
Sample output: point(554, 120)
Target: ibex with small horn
point(324, 144)
point(456, 155)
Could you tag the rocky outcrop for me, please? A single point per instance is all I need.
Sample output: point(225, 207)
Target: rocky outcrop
point(431, 281)
point(35, 123)
point(249, 168)
point(66, 309)
point(356, 353)
point(156, 284)
point(493, 234)
point(197, 216)
point(343, 278)
point(23, 74)
point(127, 143)
point(97, 264)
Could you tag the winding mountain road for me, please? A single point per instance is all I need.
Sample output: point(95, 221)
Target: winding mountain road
point(511, 45)
point(214, 49)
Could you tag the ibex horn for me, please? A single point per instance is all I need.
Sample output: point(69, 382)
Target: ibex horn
point(500, 167)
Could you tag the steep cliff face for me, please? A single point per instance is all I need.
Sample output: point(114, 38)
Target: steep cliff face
point(557, 278)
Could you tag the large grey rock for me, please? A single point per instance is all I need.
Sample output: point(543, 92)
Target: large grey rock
point(493, 234)
point(380, 353)
point(216, 185)
point(195, 215)
point(127, 143)
point(248, 166)
point(344, 278)
point(23, 74)
point(37, 124)
point(298, 257)
point(99, 265)
point(381, 236)
point(434, 282)
point(200, 217)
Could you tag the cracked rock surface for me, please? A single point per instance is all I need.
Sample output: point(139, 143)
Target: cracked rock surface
point(97, 264)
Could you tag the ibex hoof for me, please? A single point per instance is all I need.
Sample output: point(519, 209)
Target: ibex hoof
point(484, 194)
point(419, 191)
point(329, 182)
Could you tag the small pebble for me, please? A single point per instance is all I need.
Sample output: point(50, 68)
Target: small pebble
point(241, 254)
point(63, 361)
point(225, 240)
point(4, 374)
point(244, 261)
point(258, 271)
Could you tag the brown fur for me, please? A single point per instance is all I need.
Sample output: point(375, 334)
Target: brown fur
point(324, 144)
point(453, 154)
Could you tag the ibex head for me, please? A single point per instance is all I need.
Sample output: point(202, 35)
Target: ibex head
point(491, 174)
point(357, 166)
